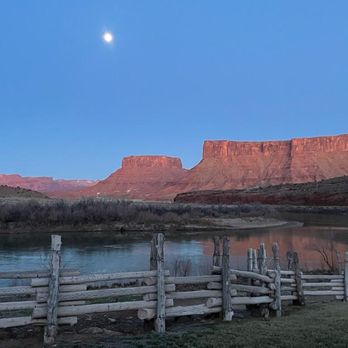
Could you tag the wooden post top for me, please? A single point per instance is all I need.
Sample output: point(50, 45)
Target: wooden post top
point(56, 242)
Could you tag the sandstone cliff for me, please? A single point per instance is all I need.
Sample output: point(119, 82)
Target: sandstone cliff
point(225, 165)
point(141, 177)
point(234, 164)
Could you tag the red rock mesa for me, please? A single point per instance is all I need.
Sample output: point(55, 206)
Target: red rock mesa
point(43, 184)
point(141, 177)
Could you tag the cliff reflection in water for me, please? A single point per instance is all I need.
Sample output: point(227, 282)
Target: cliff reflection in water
point(109, 253)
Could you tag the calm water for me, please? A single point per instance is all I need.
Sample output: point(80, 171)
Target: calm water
point(105, 252)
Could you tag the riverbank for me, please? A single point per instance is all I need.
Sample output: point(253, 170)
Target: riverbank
point(98, 215)
point(117, 216)
point(121, 229)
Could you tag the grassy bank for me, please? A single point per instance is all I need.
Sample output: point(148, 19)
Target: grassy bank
point(315, 325)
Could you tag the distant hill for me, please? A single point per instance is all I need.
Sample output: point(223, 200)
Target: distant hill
point(43, 184)
point(18, 192)
point(324, 193)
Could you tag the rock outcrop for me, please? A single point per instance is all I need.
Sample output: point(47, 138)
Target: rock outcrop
point(236, 165)
point(43, 184)
point(141, 177)
point(331, 192)
point(225, 165)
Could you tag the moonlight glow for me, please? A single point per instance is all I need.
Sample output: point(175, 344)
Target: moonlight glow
point(108, 37)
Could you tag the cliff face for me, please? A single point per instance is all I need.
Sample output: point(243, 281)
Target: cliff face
point(232, 164)
point(141, 177)
point(225, 165)
point(43, 184)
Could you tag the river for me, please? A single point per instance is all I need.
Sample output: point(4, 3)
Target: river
point(109, 252)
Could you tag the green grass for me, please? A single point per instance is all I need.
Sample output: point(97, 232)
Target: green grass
point(316, 325)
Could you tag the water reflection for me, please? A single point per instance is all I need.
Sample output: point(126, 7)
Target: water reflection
point(97, 252)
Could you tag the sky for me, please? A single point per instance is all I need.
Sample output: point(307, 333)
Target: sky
point(177, 73)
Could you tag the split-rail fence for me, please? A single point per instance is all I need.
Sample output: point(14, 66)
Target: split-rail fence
point(59, 296)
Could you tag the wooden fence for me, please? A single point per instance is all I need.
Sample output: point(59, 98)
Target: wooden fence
point(57, 297)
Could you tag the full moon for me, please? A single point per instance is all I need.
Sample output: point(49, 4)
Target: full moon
point(108, 37)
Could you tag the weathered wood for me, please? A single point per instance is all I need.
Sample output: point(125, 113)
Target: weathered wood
point(252, 275)
point(23, 321)
point(322, 293)
point(261, 259)
point(181, 295)
point(290, 257)
point(271, 286)
point(213, 302)
point(252, 300)
point(250, 263)
point(36, 274)
point(299, 281)
point(9, 306)
point(160, 321)
point(288, 297)
point(322, 276)
point(217, 252)
point(243, 300)
point(72, 303)
point(346, 276)
point(262, 264)
point(97, 277)
point(179, 311)
point(288, 273)
point(214, 286)
point(288, 288)
point(226, 283)
point(287, 281)
point(255, 267)
point(252, 289)
point(17, 290)
point(250, 260)
point(105, 293)
point(98, 308)
point(277, 280)
point(53, 292)
point(153, 257)
point(319, 285)
point(62, 288)
point(195, 279)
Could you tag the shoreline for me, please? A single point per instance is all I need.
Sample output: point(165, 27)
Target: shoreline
point(207, 225)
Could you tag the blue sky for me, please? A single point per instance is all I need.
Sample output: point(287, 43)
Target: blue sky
point(179, 72)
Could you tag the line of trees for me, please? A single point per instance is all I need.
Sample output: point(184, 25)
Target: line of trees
point(100, 211)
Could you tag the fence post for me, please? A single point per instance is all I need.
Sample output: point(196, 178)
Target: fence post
point(153, 255)
point(250, 260)
point(298, 279)
point(262, 264)
point(346, 276)
point(53, 292)
point(255, 265)
point(217, 252)
point(226, 281)
point(290, 257)
point(160, 322)
point(277, 280)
